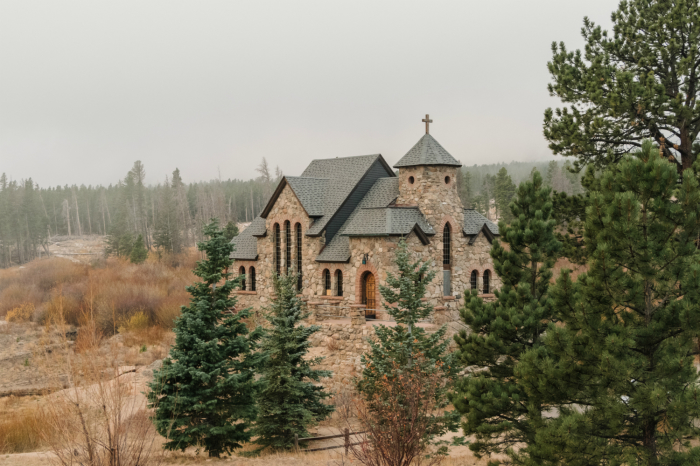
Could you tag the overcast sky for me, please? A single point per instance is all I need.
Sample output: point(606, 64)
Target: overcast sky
point(87, 88)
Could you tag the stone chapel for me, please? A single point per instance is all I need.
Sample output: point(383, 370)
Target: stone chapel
point(338, 224)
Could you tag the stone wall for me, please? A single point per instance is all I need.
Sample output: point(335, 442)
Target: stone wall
point(341, 345)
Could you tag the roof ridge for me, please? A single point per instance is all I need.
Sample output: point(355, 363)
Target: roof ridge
point(347, 157)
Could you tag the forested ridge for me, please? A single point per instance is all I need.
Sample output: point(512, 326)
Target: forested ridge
point(169, 215)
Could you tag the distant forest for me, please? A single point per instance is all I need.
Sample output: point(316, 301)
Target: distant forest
point(168, 216)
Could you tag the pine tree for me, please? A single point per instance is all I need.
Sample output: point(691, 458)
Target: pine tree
point(399, 347)
point(496, 409)
point(204, 394)
point(619, 367)
point(139, 253)
point(641, 81)
point(504, 191)
point(289, 401)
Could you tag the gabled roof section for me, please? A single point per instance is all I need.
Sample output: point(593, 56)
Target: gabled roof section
point(383, 192)
point(311, 193)
point(344, 174)
point(325, 185)
point(387, 221)
point(474, 222)
point(375, 205)
point(427, 151)
point(246, 243)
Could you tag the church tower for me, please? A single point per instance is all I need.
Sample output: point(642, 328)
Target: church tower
point(428, 179)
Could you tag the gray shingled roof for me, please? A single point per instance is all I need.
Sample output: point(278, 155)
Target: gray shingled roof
point(311, 193)
point(342, 174)
point(474, 222)
point(427, 151)
point(373, 217)
point(387, 221)
point(383, 192)
point(246, 243)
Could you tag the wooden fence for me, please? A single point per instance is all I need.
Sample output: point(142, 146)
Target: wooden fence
point(345, 435)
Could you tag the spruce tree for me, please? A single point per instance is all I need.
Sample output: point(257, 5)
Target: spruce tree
point(619, 366)
point(495, 407)
point(289, 401)
point(139, 253)
point(203, 395)
point(398, 348)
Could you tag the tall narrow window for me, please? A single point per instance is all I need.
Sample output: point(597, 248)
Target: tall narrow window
point(487, 279)
point(446, 247)
point(298, 234)
point(252, 279)
point(368, 295)
point(287, 246)
point(474, 278)
point(327, 282)
point(241, 272)
point(338, 283)
point(278, 252)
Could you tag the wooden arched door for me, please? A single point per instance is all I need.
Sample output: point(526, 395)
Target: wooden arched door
point(368, 294)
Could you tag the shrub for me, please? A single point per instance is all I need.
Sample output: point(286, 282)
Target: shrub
point(136, 322)
point(398, 418)
point(21, 313)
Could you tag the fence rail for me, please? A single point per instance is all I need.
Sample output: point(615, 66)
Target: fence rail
point(345, 435)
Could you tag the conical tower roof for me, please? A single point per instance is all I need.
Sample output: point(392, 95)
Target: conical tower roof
point(427, 151)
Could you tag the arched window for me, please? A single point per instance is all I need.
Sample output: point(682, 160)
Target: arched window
point(326, 282)
point(368, 295)
point(252, 279)
point(487, 279)
point(241, 272)
point(338, 283)
point(278, 252)
point(474, 278)
point(298, 234)
point(287, 246)
point(446, 246)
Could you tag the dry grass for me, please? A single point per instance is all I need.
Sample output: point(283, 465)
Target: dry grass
point(111, 290)
point(21, 430)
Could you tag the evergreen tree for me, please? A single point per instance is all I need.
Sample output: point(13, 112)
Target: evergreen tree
point(120, 239)
point(398, 348)
point(496, 409)
point(619, 368)
point(504, 192)
point(166, 234)
point(231, 230)
point(139, 253)
point(643, 82)
point(289, 401)
point(467, 190)
point(204, 394)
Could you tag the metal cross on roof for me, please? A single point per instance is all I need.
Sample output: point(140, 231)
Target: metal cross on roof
point(427, 122)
